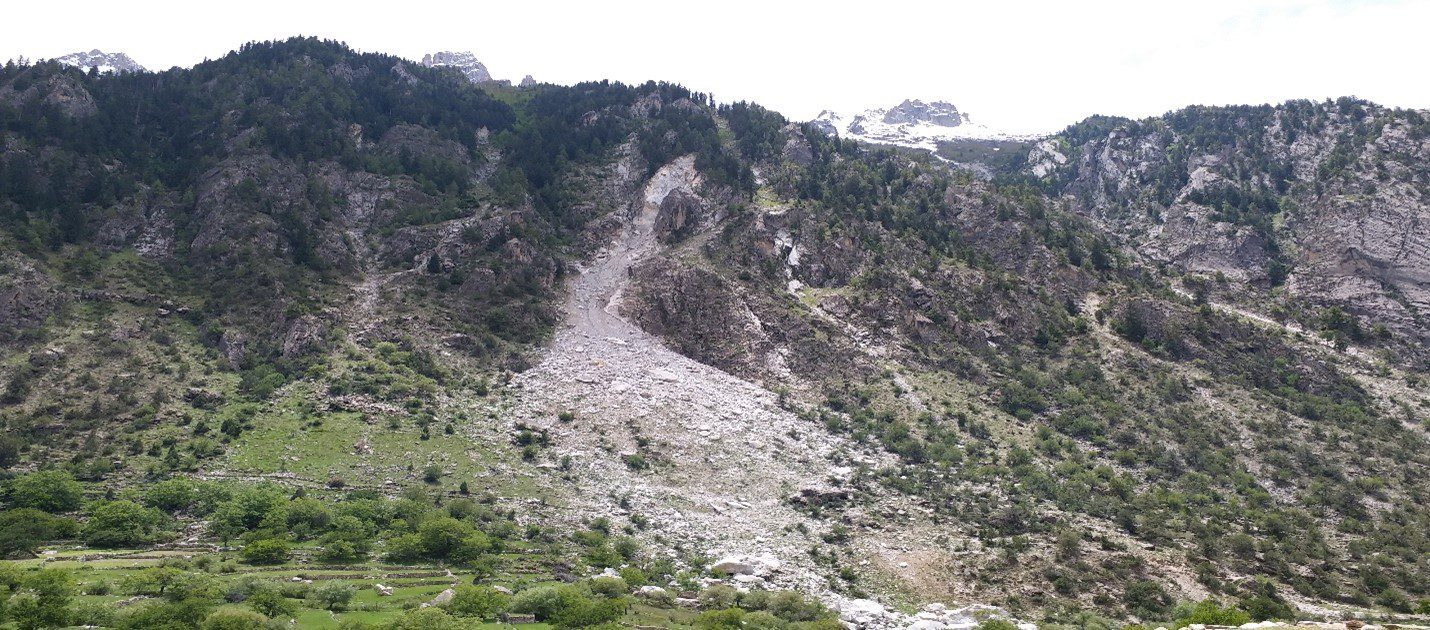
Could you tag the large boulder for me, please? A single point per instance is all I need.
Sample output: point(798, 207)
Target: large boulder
point(761, 565)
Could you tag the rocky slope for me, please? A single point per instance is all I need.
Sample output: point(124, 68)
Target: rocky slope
point(1327, 199)
point(732, 335)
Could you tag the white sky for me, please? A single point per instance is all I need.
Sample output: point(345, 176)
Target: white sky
point(1021, 65)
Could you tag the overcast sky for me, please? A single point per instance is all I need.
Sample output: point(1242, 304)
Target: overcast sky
point(1020, 65)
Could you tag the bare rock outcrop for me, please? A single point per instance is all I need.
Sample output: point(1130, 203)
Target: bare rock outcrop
point(699, 314)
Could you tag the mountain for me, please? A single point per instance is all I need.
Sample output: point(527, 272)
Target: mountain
point(466, 62)
point(102, 61)
point(606, 329)
point(912, 123)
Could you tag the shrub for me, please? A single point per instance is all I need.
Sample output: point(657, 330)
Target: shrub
point(432, 474)
point(48, 490)
point(270, 602)
point(25, 529)
point(235, 620)
point(763, 620)
point(1262, 608)
point(567, 607)
point(426, 619)
point(247, 510)
point(1395, 600)
point(1263, 602)
point(122, 524)
point(540, 601)
point(997, 624)
point(755, 600)
point(306, 516)
point(442, 536)
point(92, 614)
point(660, 599)
point(1146, 599)
point(242, 588)
point(634, 577)
point(339, 552)
point(792, 606)
point(729, 618)
point(333, 595)
point(266, 551)
point(609, 586)
point(404, 548)
point(171, 495)
point(188, 613)
point(1209, 612)
point(480, 602)
point(583, 612)
point(472, 549)
point(156, 581)
point(44, 603)
point(718, 597)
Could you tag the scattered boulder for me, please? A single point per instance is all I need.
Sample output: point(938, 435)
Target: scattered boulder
point(304, 336)
point(763, 564)
point(442, 598)
point(233, 344)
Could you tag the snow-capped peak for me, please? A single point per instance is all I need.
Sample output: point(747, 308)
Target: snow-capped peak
point(912, 123)
point(468, 63)
point(103, 61)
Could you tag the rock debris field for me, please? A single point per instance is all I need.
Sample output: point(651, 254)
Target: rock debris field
point(710, 459)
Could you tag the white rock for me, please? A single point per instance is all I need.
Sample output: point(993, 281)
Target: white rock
point(734, 565)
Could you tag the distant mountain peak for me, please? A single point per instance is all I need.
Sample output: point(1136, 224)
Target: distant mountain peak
point(912, 123)
point(103, 61)
point(473, 68)
point(940, 113)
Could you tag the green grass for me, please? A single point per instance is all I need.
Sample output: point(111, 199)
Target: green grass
point(288, 436)
point(367, 605)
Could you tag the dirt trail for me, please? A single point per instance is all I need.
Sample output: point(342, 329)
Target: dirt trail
point(722, 456)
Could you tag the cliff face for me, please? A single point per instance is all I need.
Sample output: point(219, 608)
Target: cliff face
point(1327, 199)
